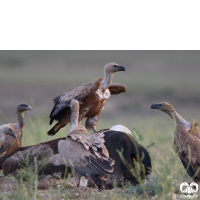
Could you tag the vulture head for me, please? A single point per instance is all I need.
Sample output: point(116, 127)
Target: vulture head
point(6, 130)
point(23, 107)
point(113, 67)
point(164, 106)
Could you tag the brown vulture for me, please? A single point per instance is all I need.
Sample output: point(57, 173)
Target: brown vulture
point(5, 130)
point(10, 144)
point(186, 140)
point(91, 97)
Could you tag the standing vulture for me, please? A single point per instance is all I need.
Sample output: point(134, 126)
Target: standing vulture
point(186, 140)
point(10, 144)
point(91, 97)
point(85, 152)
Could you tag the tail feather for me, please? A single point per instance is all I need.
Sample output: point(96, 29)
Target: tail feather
point(51, 121)
point(103, 165)
point(55, 129)
point(51, 132)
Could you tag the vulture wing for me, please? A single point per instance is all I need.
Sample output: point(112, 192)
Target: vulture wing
point(84, 151)
point(62, 102)
point(93, 143)
point(116, 88)
point(188, 147)
point(61, 105)
point(83, 160)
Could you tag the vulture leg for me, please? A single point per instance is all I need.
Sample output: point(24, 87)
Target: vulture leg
point(94, 129)
point(90, 179)
point(91, 123)
point(75, 179)
point(83, 182)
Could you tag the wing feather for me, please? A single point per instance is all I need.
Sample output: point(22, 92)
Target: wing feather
point(83, 151)
point(188, 147)
point(62, 102)
point(116, 88)
point(94, 166)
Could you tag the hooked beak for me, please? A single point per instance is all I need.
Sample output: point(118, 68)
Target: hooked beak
point(121, 68)
point(29, 108)
point(154, 106)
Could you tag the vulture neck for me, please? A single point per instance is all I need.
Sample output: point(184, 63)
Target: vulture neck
point(2, 138)
point(20, 116)
point(74, 113)
point(179, 120)
point(107, 80)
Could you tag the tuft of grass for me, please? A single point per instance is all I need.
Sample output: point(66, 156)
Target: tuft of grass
point(138, 136)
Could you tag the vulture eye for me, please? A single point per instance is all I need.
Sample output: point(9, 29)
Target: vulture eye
point(160, 105)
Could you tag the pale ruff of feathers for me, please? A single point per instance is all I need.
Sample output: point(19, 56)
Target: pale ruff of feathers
point(104, 95)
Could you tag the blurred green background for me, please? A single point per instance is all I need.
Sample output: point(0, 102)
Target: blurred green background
point(36, 77)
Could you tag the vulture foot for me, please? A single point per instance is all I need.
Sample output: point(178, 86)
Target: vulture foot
point(94, 129)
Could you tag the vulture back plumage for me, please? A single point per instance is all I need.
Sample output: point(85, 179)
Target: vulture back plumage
point(132, 151)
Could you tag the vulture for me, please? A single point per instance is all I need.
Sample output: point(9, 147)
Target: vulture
point(91, 97)
point(117, 141)
point(186, 140)
point(114, 140)
point(48, 150)
point(85, 152)
point(5, 130)
point(10, 144)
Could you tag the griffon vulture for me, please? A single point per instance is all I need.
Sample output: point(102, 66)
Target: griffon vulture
point(49, 150)
point(91, 97)
point(186, 140)
point(132, 152)
point(85, 152)
point(5, 130)
point(10, 144)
